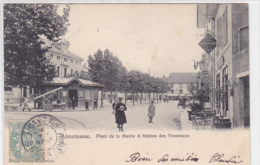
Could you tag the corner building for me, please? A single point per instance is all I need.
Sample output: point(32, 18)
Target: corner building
point(229, 61)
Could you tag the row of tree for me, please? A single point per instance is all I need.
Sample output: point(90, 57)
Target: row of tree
point(25, 63)
point(107, 69)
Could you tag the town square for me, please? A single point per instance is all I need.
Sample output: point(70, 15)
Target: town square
point(118, 83)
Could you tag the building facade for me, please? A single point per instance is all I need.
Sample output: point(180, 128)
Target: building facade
point(178, 85)
point(228, 63)
point(66, 64)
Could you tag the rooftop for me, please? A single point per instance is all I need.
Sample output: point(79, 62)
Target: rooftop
point(57, 50)
point(179, 78)
point(68, 80)
point(69, 54)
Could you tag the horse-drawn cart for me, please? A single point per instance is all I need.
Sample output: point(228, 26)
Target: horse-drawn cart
point(49, 102)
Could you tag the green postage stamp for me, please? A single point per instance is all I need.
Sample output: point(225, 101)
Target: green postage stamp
point(41, 139)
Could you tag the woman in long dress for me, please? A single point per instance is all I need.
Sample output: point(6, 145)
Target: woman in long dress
point(120, 114)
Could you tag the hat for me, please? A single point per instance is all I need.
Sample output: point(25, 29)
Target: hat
point(120, 98)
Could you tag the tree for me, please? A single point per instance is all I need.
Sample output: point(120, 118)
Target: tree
point(25, 63)
point(202, 88)
point(107, 69)
point(136, 84)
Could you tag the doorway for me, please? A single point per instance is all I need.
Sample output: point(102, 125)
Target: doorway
point(246, 102)
point(74, 93)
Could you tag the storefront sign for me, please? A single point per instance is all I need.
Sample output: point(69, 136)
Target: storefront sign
point(208, 43)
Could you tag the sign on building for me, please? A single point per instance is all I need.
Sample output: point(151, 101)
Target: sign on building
point(208, 43)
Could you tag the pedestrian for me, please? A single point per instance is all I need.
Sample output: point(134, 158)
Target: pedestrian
point(114, 111)
point(120, 114)
point(25, 104)
point(151, 112)
point(114, 104)
point(167, 99)
point(73, 103)
point(95, 102)
point(69, 104)
point(86, 105)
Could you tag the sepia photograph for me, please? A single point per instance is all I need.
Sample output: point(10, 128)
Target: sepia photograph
point(120, 83)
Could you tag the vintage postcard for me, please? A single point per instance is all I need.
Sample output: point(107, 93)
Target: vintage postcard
point(103, 84)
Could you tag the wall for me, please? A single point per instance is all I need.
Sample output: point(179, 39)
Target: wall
point(61, 62)
point(240, 58)
point(239, 19)
point(12, 97)
point(225, 51)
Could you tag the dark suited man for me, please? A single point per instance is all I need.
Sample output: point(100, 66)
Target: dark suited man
point(95, 102)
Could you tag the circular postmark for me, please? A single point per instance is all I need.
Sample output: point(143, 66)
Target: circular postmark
point(43, 137)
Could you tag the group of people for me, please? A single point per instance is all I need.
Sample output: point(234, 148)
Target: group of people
point(71, 103)
point(166, 100)
point(119, 109)
point(95, 104)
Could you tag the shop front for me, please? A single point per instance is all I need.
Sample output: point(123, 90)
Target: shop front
point(73, 88)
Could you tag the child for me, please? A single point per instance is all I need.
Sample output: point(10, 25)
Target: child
point(151, 112)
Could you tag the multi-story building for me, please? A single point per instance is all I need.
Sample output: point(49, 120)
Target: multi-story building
point(228, 63)
point(66, 64)
point(178, 85)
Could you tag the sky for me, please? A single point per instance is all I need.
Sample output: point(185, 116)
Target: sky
point(162, 37)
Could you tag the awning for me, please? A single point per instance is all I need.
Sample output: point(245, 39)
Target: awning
point(188, 95)
point(182, 94)
point(173, 94)
point(68, 80)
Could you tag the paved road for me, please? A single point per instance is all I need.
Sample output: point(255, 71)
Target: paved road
point(167, 117)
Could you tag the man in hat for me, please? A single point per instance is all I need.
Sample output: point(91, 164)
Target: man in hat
point(120, 114)
point(95, 102)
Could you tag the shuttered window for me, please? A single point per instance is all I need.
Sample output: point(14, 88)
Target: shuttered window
point(225, 28)
point(219, 32)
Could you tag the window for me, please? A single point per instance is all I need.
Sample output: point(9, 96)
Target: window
point(243, 39)
point(225, 28)
point(80, 93)
point(58, 71)
point(87, 94)
point(77, 63)
point(58, 57)
point(181, 91)
point(8, 89)
point(71, 61)
point(218, 91)
point(181, 85)
point(31, 90)
point(71, 71)
point(219, 34)
point(65, 72)
point(51, 55)
point(64, 93)
point(225, 87)
point(172, 90)
point(65, 59)
point(172, 85)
